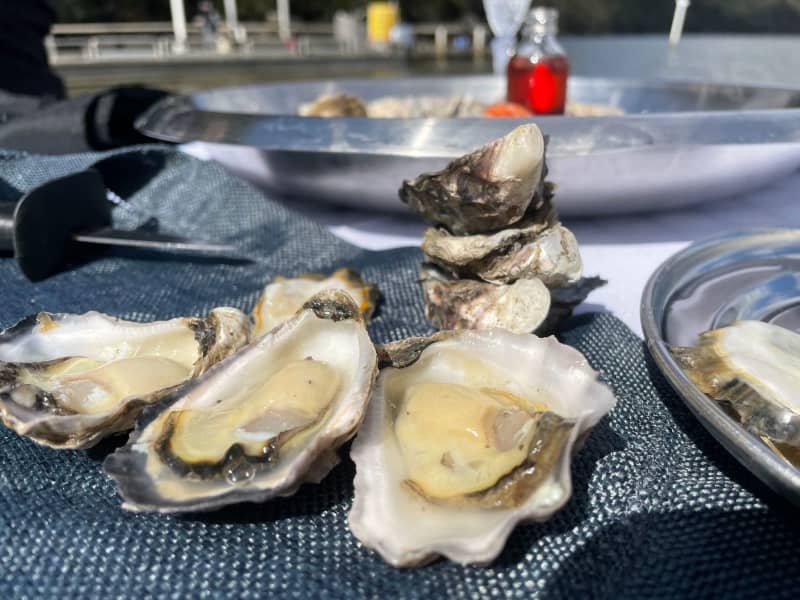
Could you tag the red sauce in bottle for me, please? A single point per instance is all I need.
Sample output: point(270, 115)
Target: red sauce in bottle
point(539, 86)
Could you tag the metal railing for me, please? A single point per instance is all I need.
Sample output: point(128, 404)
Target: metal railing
point(100, 42)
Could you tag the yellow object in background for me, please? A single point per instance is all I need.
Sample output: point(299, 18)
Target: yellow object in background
point(381, 17)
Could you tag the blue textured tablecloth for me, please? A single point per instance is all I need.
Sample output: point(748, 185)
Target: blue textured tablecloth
point(659, 508)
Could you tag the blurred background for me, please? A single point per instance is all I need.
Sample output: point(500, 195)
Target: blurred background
point(186, 45)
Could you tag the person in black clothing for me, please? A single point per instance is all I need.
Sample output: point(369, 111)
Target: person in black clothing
point(34, 116)
point(208, 18)
point(24, 69)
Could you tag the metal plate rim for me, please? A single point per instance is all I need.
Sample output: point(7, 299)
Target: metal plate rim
point(597, 160)
point(744, 446)
point(155, 121)
point(621, 81)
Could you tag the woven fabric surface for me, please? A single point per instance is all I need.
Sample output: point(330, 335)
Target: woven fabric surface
point(659, 508)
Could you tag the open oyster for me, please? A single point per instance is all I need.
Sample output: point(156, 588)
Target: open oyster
point(66, 381)
point(334, 105)
point(754, 368)
point(486, 190)
point(468, 434)
point(258, 424)
point(469, 304)
point(283, 296)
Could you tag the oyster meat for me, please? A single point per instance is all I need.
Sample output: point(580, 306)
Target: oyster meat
point(469, 433)
point(486, 190)
point(283, 296)
point(753, 368)
point(469, 304)
point(258, 424)
point(66, 381)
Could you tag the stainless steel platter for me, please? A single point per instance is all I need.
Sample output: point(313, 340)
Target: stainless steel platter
point(679, 143)
point(710, 284)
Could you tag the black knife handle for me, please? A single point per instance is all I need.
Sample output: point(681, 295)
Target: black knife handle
point(7, 225)
point(47, 216)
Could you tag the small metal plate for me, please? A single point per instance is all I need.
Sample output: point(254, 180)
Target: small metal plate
point(754, 275)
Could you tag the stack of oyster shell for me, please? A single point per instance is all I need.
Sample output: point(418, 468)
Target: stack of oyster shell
point(497, 248)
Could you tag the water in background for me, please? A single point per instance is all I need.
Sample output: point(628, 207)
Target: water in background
point(767, 60)
point(744, 59)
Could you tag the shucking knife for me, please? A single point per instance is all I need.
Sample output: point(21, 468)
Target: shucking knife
point(52, 222)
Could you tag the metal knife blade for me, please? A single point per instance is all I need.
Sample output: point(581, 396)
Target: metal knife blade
point(155, 241)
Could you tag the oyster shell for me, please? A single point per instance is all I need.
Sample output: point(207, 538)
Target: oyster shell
point(486, 190)
point(469, 304)
point(283, 296)
point(415, 107)
point(754, 368)
point(548, 253)
point(334, 105)
point(467, 435)
point(563, 301)
point(258, 424)
point(66, 381)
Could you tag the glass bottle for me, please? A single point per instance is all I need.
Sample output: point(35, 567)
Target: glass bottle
point(537, 73)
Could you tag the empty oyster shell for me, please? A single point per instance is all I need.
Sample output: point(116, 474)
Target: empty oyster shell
point(486, 190)
point(468, 434)
point(334, 105)
point(283, 296)
point(258, 424)
point(469, 304)
point(547, 253)
point(66, 381)
point(754, 368)
point(563, 301)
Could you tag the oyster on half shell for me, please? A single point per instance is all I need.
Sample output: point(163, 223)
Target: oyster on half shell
point(486, 190)
point(66, 381)
point(754, 368)
point(258, 424)
point(284, 296)
point(467, 435)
